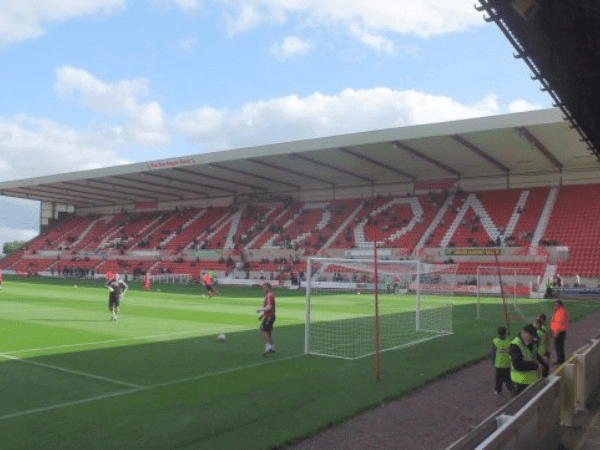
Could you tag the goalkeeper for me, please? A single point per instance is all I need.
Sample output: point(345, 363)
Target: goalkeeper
point(117, 289)
point(268, 318)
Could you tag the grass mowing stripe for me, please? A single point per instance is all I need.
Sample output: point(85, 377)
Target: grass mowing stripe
point(139, 388)
point(65, 405)
point(192, 333)
point(75, 372)
point(221, 372)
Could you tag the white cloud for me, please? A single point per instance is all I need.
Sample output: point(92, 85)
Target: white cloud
point(290, 46)
point(188, 5)
point(293, 118)
point(243, 16)
point(147, 122)
point(521, 105)
point(15, 234)
point(422, 18)
point(188, 44)
point(35, 147)
point(375, 41)
point(28, 19)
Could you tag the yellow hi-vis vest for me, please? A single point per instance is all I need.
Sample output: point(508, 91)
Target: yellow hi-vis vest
point(543, 341)
point(524, 377)
point(502, 360)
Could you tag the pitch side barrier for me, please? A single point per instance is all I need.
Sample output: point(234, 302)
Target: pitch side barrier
point(533, 420)
point(576, 293)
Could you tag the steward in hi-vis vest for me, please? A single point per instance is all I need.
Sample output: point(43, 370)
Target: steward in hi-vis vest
point(525, 359)
point(543, 344)
point(500, 357)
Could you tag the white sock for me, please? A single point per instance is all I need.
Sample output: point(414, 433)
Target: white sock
point(267, 347)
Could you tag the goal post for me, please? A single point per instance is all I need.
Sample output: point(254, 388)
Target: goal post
point(413, 301)
point(495, 282)
point(506, 293)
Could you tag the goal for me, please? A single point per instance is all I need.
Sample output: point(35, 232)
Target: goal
point(356, 307)
point(506, 294)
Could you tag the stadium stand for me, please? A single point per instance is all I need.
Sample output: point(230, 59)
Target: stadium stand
point(575, 223)
point(275, 238)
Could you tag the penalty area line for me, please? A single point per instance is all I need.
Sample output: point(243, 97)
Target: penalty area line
point(71, 371)
point(221, 372)
point(67, 404)
point(142, 388)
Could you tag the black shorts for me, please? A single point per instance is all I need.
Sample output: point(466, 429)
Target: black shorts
point(113, 301)
point(209, 287)
point(267, 323)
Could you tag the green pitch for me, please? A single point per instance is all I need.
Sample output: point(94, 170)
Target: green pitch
point(157, 379)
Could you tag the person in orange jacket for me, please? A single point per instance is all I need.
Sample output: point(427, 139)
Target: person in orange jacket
point(559, 326)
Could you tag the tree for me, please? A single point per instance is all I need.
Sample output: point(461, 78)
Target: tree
point(10, 247)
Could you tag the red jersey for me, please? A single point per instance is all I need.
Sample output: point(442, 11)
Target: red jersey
point(269, 300)
point(207, 280)
point(560, 320)
point(146, 284)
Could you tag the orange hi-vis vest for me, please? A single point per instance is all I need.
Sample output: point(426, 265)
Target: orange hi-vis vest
point(560, 320)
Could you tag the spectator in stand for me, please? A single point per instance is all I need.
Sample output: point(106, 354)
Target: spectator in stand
point(559, 326)
point(558, 282)
point(548, 293)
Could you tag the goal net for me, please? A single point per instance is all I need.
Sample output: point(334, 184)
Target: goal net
point(506, 293)
point(413, 300)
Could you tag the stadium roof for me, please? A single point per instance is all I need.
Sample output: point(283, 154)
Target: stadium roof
point(559, 40)
point(535, 142)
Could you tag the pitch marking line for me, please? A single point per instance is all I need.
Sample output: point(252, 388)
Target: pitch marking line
point(75, 372)
point(197, 332)
point(143, 388)
point(64, 405)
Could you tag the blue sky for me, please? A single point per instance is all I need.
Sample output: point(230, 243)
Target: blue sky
point(95, 83)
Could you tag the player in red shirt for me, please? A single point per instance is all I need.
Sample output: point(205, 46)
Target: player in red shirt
point(268, 318)
point(146, 284)
point(209, 286)
point(0, 279)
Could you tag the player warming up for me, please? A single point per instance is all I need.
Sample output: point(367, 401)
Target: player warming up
point(209, 285)
point(268, 318)
point(117, 289)
point(146, 283)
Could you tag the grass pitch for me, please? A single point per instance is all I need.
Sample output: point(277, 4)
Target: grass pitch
point(157, 379)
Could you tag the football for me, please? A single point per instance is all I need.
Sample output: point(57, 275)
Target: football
point(221, 338)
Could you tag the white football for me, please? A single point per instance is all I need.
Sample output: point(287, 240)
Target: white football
point(221, 338)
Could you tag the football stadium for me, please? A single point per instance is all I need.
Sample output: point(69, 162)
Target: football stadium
point(393, 254)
